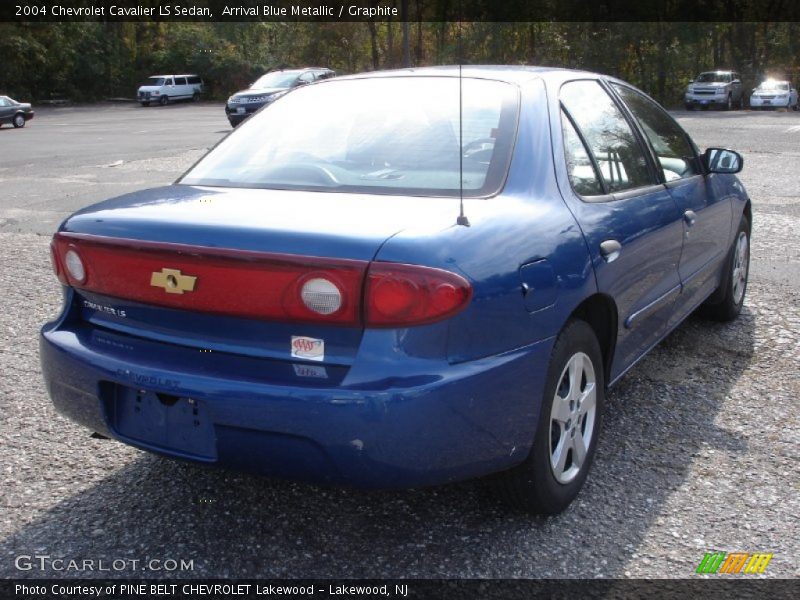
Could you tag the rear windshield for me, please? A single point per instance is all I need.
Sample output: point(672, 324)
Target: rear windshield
point(383, 135)
point(156, 81)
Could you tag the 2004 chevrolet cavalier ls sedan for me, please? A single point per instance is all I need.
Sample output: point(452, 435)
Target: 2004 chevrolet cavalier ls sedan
point(310, 300)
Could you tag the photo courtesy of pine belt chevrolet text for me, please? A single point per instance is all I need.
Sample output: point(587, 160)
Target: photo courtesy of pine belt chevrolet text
point(435, 278)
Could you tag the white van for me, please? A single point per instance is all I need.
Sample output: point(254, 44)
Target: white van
point(164, 88)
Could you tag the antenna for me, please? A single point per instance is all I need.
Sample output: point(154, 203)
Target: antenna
point(462, 218)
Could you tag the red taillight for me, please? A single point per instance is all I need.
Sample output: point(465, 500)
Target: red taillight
point(56, 263)
point(259, 285)
point(405, 295)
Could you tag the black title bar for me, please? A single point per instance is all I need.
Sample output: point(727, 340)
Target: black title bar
point(400, 10)
point(399, 589)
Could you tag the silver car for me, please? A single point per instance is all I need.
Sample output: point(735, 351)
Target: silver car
point(721, 89)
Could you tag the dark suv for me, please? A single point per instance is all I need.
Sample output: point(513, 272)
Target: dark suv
point(268, 88)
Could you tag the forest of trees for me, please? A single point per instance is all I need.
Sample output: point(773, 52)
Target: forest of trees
point(85, 61)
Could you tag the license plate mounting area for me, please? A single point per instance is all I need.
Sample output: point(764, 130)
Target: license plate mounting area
point(169, 423)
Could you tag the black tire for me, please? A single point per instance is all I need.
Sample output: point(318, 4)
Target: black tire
point(689, 106)
point(196, 97)
point(729, 103)
point(18, 121)
point(145, 104)
point(726, 302)
point(534, 485)
point(164, 100)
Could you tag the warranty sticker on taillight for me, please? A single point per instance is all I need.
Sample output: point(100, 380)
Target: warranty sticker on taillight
point(308, 348)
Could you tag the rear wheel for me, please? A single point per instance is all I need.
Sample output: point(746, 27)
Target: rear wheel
point(163, 100)
point(569, 424)
point(689, 106)
point(145, 104)
point(196, 97)
point(729, 103)
point(726, 303)
point(19, 120)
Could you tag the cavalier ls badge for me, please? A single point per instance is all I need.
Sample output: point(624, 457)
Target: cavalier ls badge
point(173, 281)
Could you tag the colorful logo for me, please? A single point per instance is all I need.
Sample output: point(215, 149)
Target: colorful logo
point(734, 562)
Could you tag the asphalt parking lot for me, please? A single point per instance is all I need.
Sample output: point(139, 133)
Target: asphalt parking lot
point(700, 448)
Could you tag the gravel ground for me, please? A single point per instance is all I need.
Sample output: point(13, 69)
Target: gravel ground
point(699, 453)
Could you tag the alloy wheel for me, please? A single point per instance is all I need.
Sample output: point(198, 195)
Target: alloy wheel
point(572, 418)
point(741, 264)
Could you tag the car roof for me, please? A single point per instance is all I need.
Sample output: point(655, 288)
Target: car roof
point(176, 75)
point(508, 73)
point(298, 70)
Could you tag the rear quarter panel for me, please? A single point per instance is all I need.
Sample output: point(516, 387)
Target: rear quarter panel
point(528, 221)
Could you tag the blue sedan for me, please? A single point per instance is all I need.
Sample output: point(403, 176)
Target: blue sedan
point(436, 278)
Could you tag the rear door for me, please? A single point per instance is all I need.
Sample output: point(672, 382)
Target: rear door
point(631, 223)
point(706, 215)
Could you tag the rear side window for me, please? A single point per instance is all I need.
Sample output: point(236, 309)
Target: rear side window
point(673, 151)
point(582, 172)
point(609, 137)
point(4, 102)
point(180, 81)
point(194, 80)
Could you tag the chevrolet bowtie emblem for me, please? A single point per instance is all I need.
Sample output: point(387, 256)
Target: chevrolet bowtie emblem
point(173, 281)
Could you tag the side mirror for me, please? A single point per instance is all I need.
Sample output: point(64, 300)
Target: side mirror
point(721, 160)
point(737, 81)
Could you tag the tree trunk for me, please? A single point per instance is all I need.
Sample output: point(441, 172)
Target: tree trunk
point(406, 34)
point(373, 39)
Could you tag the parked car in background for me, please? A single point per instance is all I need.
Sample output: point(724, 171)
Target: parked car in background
point(269, 88)
point(166, 88)
point(774, 94)
point(14, 113)
point(722, 89)
point(400, 279)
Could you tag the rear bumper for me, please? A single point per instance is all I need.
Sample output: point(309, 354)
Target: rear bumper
point(433, 423)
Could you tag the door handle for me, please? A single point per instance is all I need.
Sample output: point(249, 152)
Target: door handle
point(690, 217)
point(610, 250)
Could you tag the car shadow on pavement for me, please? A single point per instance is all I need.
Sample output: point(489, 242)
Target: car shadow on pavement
point(660, 423)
